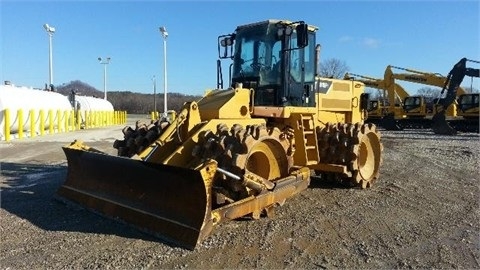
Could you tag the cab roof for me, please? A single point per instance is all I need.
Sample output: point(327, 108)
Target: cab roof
point(273, 21)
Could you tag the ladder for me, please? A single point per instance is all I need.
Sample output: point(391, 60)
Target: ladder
point(308, 139)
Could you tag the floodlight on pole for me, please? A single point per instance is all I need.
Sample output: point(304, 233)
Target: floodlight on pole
point(164, 32)
point(104, 62)
point(154, 95)
point(50, 30)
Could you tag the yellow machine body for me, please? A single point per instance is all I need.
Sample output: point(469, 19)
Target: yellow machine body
point(229, 155)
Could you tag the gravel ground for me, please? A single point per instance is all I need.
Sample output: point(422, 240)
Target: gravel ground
point(422, 213)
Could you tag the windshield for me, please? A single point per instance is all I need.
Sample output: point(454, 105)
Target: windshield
point(257, 54)
point(267, 58)
point(468, 99)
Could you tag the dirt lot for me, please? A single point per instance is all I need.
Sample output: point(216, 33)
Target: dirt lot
point(423, 213)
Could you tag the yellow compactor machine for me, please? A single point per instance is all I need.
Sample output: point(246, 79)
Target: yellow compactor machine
point(238, 152)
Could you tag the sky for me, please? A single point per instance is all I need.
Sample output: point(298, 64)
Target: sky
point(429, 36)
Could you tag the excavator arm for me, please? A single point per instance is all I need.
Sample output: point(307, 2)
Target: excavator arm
point(426, 78)
point(452, 85)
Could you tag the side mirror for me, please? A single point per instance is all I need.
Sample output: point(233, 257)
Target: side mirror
point(225, 46)
point(364, 98)
point(302, 35)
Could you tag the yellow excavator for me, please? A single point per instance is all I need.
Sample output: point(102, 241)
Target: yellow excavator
point(381, 111)
point(416, 108)
point(468, 102)
point(238, 152)
point(420, 77)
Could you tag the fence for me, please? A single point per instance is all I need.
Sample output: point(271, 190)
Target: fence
point(50, 122)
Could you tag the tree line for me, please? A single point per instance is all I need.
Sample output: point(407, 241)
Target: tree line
point(134, 103)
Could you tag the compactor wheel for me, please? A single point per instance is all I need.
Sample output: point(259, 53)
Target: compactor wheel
point(357, 146)
point(256, 149)
point(136, 140)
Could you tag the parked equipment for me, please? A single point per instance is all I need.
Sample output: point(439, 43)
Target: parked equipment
point(452, 84)
point(417, 110)
point(237, 152)
point(387, 110)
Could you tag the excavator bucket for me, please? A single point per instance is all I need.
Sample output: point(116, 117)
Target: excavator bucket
point(441, 126)
point(171, 203)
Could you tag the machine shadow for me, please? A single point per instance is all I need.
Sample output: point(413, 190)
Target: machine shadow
point(29, 192)
point(316, 182)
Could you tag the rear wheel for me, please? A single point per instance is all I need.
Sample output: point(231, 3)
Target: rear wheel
point(356, 146)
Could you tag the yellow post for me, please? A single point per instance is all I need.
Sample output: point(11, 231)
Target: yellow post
point(20, 123)
point(41, 125)
point(7, 124)
point(92, 119)
point(88, 119)
point(50, 122)
point(72, 120)
point(65, 120)
point(32, 123)
point(85, 125)
point(59, 121)
point(78, 119)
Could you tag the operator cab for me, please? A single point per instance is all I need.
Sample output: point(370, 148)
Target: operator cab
point(468, 102)
point(274, 58)
point(412, 103)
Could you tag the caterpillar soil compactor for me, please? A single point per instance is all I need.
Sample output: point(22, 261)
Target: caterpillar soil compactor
point(238, 152)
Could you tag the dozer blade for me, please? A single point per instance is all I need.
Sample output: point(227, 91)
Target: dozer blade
point(441, 126)
point(171, 203)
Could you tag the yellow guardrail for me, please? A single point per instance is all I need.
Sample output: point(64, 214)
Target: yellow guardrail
point(56, 121)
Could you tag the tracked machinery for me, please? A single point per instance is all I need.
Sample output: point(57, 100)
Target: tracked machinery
point(460, 107)
point(238, 152)
point(468, 102)
point(387, 110)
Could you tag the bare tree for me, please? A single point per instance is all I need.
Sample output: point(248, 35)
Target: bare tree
point(375, 93)
point(333, 68)
point(429, 93)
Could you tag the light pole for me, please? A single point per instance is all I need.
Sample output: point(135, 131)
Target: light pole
point(154, 95)
point(104, 62)
point(164, 32)
point(50, 30)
